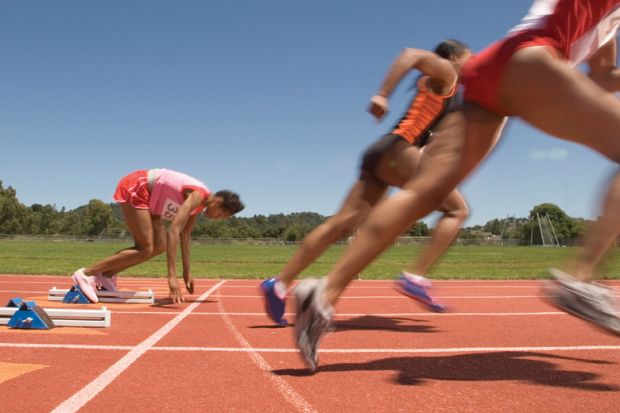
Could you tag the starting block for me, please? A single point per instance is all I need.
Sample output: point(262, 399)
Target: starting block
point(76, 296)
point(29, 315)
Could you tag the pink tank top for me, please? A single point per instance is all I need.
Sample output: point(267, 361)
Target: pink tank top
point(167, 192)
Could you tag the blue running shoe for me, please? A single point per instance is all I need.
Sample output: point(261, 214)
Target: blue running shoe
point(274, 305)
point(417, 291)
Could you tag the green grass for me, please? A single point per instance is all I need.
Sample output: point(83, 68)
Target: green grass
point(252, 261)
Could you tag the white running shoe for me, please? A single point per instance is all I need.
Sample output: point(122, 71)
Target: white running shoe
point(312, 321)
point(103, 283)
point(86, 284)
point(589, 301)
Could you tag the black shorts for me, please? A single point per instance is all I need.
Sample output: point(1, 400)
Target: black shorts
point(374, 153)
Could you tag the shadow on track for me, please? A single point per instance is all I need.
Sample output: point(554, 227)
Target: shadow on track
point(529, 367)
point(374, 323)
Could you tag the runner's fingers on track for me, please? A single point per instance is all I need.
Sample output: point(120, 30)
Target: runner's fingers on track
point(189, 284)
point(175, 292)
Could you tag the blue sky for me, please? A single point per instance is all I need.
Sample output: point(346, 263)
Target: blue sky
point(267, 98)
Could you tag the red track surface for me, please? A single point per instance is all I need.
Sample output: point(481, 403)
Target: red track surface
point(502, 348)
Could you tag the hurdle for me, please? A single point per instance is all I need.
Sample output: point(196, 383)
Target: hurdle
point(127, 297)
point(63, 317)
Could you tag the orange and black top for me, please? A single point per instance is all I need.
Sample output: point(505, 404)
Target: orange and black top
point(425, 110)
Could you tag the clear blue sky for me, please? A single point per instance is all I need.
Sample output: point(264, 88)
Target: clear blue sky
point(267, 98)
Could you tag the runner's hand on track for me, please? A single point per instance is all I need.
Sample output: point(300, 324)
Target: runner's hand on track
point(189, 283)
point(379, 107)
point(175, 291)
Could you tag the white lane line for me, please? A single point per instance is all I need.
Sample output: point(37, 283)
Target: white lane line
point(342, 315)
point(83, 396)
point(398, 350)
point(66, 346)
point(289, 394)
point(350, 297)
point(323, 350)
point(390, 287)
point(400, 297)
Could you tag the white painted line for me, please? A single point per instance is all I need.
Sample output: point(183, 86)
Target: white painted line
point(289, 394)
point(400, 297)
point(396, 350)
point(66, 346)
point(341, 315)
point(390, 287)
point(323, 350)
point(79, 399)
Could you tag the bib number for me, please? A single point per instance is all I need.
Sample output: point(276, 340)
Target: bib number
point(170, 209)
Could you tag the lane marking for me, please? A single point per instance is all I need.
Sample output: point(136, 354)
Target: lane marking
point(289, 394)
point(402, 297)
point(323, 350)
point(400, 350)
point(340, 315)
point(356, 297)
point(66, 346)
point(83, 396)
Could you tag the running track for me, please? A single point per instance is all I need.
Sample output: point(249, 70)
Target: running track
point(502, 348)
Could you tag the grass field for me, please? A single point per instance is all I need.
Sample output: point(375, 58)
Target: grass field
point(251, 261)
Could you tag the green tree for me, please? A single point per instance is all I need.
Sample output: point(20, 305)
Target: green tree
point(494, 226)
point(13, 214)
point(43, 219)
point(563, 225)
point(420, 229)
point(97, 217)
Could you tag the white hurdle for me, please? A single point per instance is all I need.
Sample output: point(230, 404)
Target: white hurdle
point(64, 317)
point(127, 297)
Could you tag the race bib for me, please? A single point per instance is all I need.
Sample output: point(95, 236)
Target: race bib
point(170, 209)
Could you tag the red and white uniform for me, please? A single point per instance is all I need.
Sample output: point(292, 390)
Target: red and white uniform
point(573, 29)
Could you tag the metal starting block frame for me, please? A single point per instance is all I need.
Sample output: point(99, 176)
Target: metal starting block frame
point(28, 315)
point(75, 296)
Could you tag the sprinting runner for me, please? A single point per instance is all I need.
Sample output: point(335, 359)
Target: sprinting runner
point(529, 74)
point(147, 199)
point(391, 161)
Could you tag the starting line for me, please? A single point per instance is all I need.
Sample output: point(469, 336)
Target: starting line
point(127, 297)
point(454, 350)
point(67, 317)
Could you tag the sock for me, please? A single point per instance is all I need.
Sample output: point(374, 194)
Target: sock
point(280, 289)
point(417, 279)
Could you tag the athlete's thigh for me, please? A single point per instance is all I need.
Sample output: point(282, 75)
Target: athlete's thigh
point(159, 233)
point(454, 202)
point(461, 141)
point(399, 164)
point(139, 223)
point(362, 197)
point(561, 101)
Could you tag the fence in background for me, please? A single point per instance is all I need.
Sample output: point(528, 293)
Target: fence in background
point(126, 237)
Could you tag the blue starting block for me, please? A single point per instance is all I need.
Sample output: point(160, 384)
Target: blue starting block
point(29, 316)
point(75, 296)
point(17, 302)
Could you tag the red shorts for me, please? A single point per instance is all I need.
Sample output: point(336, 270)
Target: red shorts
point(482, 73)
point(134, 190)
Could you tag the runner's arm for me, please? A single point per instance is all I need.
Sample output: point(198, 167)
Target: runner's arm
point(438, 69)
point(174, 231)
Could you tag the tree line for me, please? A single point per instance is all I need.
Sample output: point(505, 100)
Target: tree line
point(96, 216)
